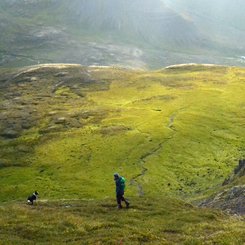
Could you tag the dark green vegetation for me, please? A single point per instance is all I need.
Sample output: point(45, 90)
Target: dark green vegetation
point(139, 33)
point(65, 129)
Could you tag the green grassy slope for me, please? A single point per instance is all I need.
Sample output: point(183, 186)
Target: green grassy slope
point(65, 130)
point(148, 221)
point(175, 133)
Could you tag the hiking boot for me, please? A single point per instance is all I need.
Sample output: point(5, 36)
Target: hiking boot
point(119, 207)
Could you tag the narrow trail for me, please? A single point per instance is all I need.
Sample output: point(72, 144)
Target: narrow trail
point(143, 158)
point(135, 179)
point(171, 121)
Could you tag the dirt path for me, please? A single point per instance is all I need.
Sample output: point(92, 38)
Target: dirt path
point(143, 159)
point(135, 179)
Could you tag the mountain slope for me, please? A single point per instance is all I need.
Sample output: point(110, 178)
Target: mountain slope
point(144, 33)
point(174, 133)
point(65, 129)
point(221, 21)
point(148, 221)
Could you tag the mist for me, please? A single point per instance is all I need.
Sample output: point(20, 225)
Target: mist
point(141, 33)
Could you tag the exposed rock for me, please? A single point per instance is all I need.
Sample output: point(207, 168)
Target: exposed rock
point(60, 120)
point(34, 79)
point(51, 113)
point(239, 171)
point(113, 130)
point(61, 74)
point(17, 98)
point(27, 125)
point(240, 167)
point(74, 123)
point(50, 129)
point(10, 134)
point(231, 200)
point(95, 114)
point(24, 103)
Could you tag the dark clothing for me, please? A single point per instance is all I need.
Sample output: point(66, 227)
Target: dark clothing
point(121, 198)
point(120, 187)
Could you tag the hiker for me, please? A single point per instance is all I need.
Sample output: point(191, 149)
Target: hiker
point(120, 187)
point(32, 198)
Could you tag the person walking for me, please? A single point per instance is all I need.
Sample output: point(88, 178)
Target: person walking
point(120, 188)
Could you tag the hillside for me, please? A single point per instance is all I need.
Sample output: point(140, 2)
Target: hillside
point(66, 128)
point(176, 134)
point(140, 33)
point(149, 221)
point(222, 21)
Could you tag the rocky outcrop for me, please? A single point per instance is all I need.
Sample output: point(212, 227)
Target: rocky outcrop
point(239, 171)
point(9, 134)
point(232, 198)
point(39, 99)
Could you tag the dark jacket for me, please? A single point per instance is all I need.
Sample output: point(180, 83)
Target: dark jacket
point(120, 186)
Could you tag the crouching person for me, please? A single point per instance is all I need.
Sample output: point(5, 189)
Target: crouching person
point(32, 198)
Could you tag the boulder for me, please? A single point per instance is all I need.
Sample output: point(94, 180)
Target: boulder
point(33, 79)
point(61, 74)
point(60, 120)
point(50, 129)
point(10, 134)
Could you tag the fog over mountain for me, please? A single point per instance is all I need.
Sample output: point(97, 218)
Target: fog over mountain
point(131, 33)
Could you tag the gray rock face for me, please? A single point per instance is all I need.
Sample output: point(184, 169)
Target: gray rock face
point(239, 171)
point(60, 120)
point(231, 200)
point(10, 134)
point(240, 167)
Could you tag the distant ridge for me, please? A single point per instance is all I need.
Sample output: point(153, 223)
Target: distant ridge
point(192, 64)
point(147, 34)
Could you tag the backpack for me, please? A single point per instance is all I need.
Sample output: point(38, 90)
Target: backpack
point(123, 183)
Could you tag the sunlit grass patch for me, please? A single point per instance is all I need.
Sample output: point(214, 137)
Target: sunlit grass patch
point(182, 127)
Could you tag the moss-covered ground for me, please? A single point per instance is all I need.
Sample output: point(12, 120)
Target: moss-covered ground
point(65, 130)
